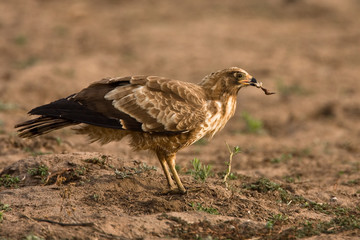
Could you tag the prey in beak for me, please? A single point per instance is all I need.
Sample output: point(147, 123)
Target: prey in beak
point(255, 83)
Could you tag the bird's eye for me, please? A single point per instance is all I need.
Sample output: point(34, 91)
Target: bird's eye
point(238, 75)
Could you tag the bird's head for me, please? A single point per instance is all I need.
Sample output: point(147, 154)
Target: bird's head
point(227, 81)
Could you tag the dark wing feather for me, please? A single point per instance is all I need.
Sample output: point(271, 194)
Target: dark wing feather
point(138, 103)
point(92, 99)
point(41, 125)
point(88, 106)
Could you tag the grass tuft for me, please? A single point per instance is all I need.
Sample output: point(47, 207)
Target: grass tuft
point(200, 207)
point(276, 219)
point(3, 208)
point(9, 181)
point(200, 172)
point(41, 171)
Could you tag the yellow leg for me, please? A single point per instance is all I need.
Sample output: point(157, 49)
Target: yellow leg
point(170, 159)
point(162, 160)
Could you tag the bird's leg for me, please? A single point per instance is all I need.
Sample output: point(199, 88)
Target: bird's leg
point(170, 159)
point(162, 160)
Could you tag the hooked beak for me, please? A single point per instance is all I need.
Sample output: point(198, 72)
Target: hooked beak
point(252, 82)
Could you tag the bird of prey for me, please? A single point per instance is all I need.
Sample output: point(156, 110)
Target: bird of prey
point(158, 114)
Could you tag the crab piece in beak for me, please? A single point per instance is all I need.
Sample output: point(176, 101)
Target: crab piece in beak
point(255, 83)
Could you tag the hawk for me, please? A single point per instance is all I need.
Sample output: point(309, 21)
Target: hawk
point(158, 114)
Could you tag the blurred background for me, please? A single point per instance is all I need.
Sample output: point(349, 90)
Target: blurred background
point(306, 51)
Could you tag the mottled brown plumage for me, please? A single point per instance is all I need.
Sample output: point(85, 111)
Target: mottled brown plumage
point(158, 114)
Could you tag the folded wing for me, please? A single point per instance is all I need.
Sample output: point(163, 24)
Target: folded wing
point(159, 104)
point(138, 103)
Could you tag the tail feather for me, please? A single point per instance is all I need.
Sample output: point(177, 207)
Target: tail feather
point(42, 125)
point(34, 122)
point(66, 112)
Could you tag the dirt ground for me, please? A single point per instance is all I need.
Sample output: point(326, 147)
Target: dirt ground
point(298, 172)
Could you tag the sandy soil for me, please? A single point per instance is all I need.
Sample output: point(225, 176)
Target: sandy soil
point(298, 173)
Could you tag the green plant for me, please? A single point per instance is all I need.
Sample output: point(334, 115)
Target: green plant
point(276, 219)
point(253, 125)
point(95, 197)
point(5, 207)
point(283, 158)
point(200, 207)
point(9, 181)
point(80, 171)
point(233, 176)
point(200, 172)
point(232, 152)
point(292, 179)
point(42, 170)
